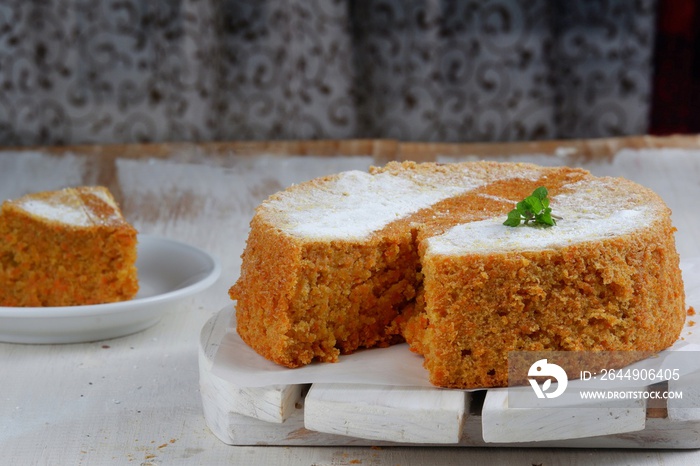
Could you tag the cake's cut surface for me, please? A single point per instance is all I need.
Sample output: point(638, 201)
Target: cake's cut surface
point(419, 252)
point(66, 248)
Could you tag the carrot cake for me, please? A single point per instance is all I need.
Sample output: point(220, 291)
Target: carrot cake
point(420, 252)
point(66, 248)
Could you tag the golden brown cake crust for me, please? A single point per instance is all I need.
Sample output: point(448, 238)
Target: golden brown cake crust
point(66, 248)
point(306, 294)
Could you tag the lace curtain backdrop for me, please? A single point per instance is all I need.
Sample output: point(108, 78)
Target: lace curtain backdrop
point(121, 71)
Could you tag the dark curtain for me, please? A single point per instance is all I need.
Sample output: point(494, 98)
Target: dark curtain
point(676, 85)
point(118, 71)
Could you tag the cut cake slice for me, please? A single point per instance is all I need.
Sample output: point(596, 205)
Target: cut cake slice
point(66, 248)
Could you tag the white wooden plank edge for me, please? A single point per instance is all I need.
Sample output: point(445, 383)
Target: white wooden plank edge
point(659, 433)
point(211, 335)
point(271, 404)
point(395, 414)
point(501, 424)
point(686, 408)
point(243, 430)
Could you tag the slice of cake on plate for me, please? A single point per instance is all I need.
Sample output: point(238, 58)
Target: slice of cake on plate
point(66, 248)
point(420, 252)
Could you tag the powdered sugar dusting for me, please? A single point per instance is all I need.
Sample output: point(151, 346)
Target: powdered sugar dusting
point(494, 198)
point(589, 212)
point(58, 212)
point(81, 207)
point(104, 196)
point(354, 204)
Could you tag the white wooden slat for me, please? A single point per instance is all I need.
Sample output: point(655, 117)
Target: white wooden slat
point(395, 414)
point(659, 433)
point(272, 404)
point(686, 408)
point(244, 430)
point(502, 424)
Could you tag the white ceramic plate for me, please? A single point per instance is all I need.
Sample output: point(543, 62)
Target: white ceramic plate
point(168, 271)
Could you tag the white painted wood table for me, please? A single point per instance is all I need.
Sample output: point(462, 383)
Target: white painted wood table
point(137, 399)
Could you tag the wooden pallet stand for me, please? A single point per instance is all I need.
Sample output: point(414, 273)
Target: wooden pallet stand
point(375, 415)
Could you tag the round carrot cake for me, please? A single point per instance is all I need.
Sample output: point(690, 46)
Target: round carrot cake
point(420, 253)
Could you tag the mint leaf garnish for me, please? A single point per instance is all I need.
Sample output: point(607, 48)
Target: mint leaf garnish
point(532, 211)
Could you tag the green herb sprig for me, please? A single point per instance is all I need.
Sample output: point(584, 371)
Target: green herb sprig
point(534, 210)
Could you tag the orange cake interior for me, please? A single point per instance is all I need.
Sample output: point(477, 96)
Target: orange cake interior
point(419, 252)
point(65, 248)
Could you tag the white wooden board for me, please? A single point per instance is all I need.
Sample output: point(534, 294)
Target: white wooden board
point(503, 425)
point(328, 414)
point(375, 412)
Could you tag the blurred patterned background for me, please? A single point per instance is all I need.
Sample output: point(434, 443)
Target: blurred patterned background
point(118, 71)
